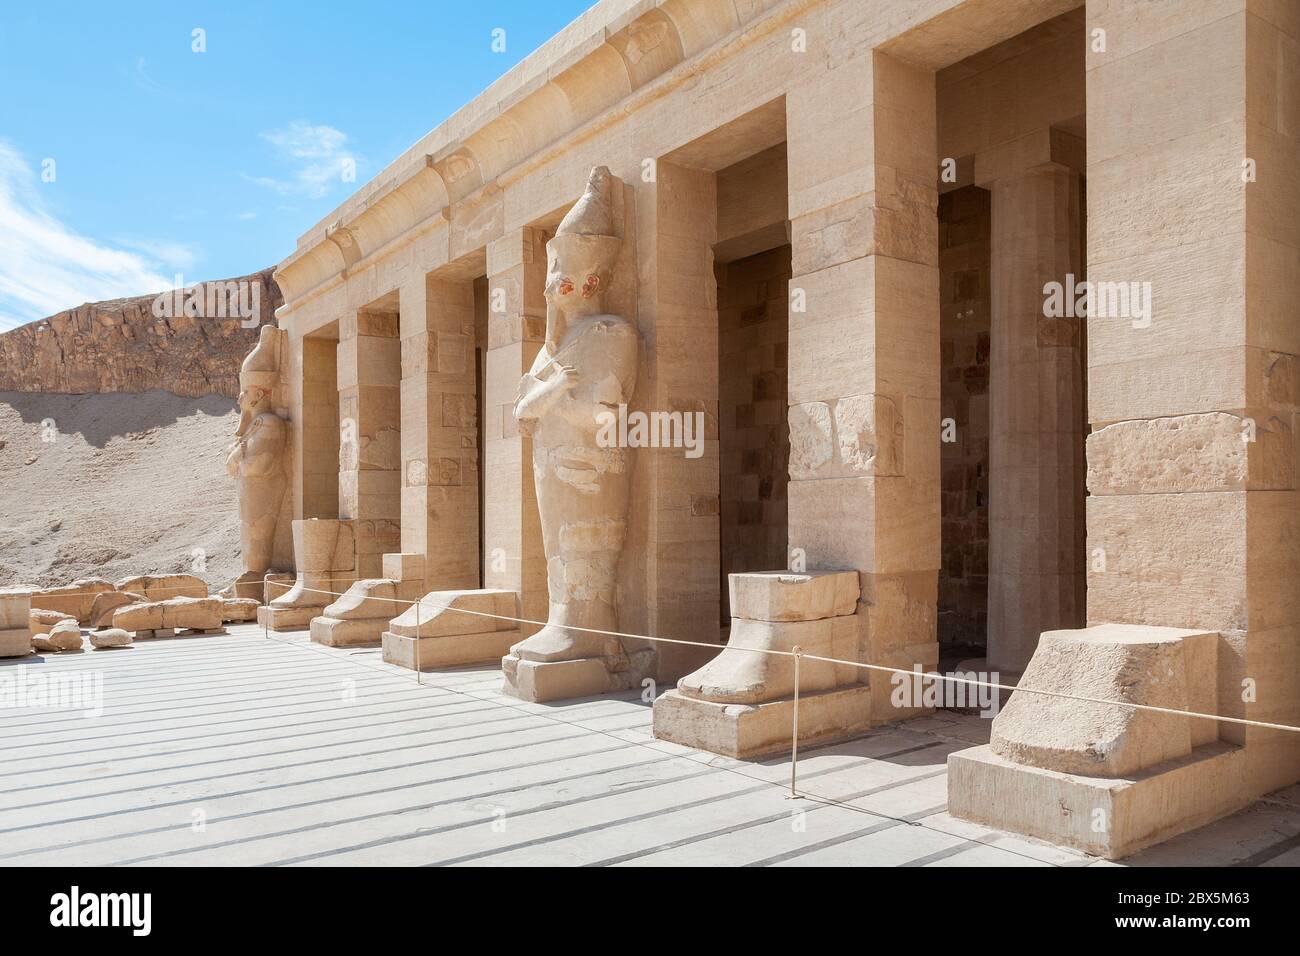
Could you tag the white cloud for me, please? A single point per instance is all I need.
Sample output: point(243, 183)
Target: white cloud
point(245, 216)
point(317, 158)
point(46, 267)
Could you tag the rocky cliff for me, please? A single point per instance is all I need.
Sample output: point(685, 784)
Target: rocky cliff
point(193, 348)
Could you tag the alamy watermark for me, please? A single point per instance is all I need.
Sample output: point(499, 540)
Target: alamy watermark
point(637, 429)
point(82, 691)
point(233, 299)
point(1101, 300)
point(962, 689)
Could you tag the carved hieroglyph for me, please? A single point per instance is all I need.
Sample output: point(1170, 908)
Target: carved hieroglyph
point(256, 459)
point(587, 366)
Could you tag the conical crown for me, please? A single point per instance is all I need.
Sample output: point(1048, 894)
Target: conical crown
point(593, 214)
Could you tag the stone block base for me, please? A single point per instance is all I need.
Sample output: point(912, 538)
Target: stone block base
point(334, 632)
point(15, 642)
point(542, 681)
point(454, 650)
point(756, 730)
point(1110, 817)
point(287, 618)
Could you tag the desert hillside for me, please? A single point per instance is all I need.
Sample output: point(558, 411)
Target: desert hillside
point(122, 346)
point(130, 484)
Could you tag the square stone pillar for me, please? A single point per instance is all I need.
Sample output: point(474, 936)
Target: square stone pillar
point(370, 465)
point(675, 498)
point(1036, 491)
point(513, 556)
point(1194, 514)
point(864, 350)
point(439, 430)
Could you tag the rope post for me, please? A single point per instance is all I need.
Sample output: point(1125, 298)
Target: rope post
point(419, 613)
point(794, 733)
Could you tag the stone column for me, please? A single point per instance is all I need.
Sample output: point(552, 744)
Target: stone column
point(679, 313)
point(513, 556)
point(864, 351)
point(1036, 526)
point(370, 435)
point(439, 434)
point(1194, 514)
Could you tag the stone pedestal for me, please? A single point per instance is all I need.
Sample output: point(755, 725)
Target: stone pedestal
point(741, 703)
point(452, 629)
point(324, 553)
point(361, 616)
point(1104, 778)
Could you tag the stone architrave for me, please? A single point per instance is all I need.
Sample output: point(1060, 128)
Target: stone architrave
point(587, 367)
point(741, 703)
point(257, 460)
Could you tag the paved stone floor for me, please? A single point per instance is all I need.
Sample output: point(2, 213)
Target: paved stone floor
point(235, 749)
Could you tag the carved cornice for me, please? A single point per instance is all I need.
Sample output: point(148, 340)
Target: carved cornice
point(607, 54)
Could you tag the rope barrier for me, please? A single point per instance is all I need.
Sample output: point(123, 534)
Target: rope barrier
point(972, 682)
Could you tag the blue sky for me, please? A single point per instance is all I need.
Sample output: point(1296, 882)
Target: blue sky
point(211, 164)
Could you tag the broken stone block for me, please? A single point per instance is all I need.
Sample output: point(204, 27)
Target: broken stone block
point(107, 603)
point(793, 596)
point(65, 636)
point(360, 616)
point(42, 642)
point(40, 620)
point(239, 610)
point(112, 637)
point(161, 587)
point(72, 599)
point(15, 642)
point(199, 614)
point(15, 608)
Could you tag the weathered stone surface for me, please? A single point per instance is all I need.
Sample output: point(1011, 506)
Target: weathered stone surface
point(175, 613)
point(1155, 666)
point(237, 610)
point(120, 346)
point(1205, 452)
point(447, 613)
point(74, 599)
point(41, 642)
point(15, 608)
point(112, 637)
point(40, 621)
point(107, 603)
point(65, 636)
point(15, 642)
point(793, 595)
point(162, 587)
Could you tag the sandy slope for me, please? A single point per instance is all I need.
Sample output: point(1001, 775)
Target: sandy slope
point(132, 484)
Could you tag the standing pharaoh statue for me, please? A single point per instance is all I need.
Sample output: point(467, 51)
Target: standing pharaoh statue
point(585, 370)
point(256, 461)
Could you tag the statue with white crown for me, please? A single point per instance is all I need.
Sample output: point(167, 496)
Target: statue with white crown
point(256, 461)
point(586, 369)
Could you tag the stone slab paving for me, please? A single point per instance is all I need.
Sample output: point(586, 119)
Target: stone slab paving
point(240, 749)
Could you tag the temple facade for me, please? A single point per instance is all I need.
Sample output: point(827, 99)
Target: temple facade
point(903, 333)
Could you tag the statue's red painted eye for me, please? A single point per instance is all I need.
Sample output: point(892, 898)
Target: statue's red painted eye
point(590, 286)
point(566, 286)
